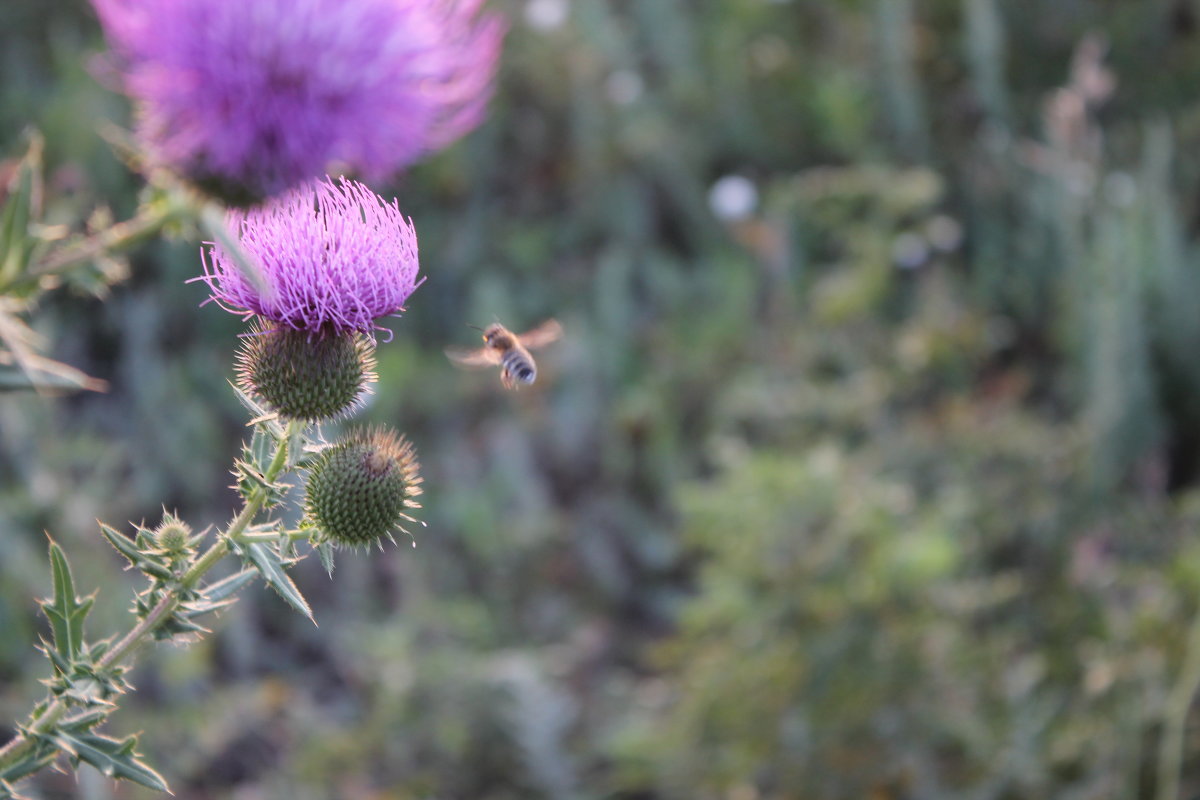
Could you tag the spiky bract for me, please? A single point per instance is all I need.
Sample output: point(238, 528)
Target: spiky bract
point(305, 376)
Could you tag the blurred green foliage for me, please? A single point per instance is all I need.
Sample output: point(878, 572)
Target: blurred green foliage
point(885, 489)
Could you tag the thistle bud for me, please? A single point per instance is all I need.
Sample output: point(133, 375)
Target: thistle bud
point(173, 535)
point(360, 489)
point(305, 376)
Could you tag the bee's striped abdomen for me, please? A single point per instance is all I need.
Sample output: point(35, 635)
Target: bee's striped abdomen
point(519, 366)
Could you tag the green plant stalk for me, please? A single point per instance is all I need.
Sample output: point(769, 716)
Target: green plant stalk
point(1179, 702)
point(24, 741)
point(149, 221)
point(274, 537)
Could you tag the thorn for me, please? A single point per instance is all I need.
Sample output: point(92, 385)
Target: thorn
point(263, 418)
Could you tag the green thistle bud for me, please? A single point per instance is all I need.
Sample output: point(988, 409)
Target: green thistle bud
point(173, 535)
point(302, 375)
point(360, 489)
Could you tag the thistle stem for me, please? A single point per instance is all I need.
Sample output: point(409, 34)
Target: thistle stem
point(293, 536)
point(148, 221)
point(25, 740)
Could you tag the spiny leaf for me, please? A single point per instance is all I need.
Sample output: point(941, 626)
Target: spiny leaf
point(154, 569)
point(269, 564)
point(115, 758)
point(177, 625)
point(85, 721)
point(144, 540)
point(61, 665)
point(261, 449)
point(296, 447)
point(123, 544)
point(38, 758)
point(196, 608)
point(263, 419)
point(325, 553)
point(90, 690)
point(66, 613)
point(251, 480)
point(7, 792)
point(44, 374)
point(138, 552)
point(226, 587)
point(24, 197)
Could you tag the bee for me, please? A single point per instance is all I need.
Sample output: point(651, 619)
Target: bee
point(510, 351)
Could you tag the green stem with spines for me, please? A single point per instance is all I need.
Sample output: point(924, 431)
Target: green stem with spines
point(123, 235)
point(294, 536)
point(45, 722)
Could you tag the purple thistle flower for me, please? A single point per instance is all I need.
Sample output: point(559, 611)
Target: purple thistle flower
point(334, 256)
point(259, 95)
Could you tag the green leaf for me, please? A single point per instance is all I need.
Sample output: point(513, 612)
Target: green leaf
point(123, 544)
point(267, 562)
point(153, 565)
point(155, 569)
point(81, 723)
point(195, 608)
point(24, 197)
point(179, 624)
point(144, 540)
point(325, 553)
point(7, 792)
point(226, 587)
point(38, 758)
point(211, 599)
point(250, 480)
point(61, 665)
point(67, 611)
point(115, 758)
point(44, 374)
point(261, 450)
point(263, 419)
point(89, 690)
point(297, 448)
point(97, 649)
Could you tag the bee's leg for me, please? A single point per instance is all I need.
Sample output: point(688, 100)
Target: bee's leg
point(507, 379)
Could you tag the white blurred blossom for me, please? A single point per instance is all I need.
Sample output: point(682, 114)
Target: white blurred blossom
point(733, 198)
point(546, 15)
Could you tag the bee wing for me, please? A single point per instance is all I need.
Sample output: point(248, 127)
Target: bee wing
point(542, 335)
point(467, 357)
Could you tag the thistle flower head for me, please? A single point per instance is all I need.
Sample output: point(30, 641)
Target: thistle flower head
point(254, 97)
point(333, 257)
point(361, 489)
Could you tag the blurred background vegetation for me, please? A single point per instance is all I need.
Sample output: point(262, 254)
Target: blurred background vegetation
point(866, 468)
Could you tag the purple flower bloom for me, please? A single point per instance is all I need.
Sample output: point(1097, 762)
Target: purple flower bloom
point(263, 94)
point(334, 257)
